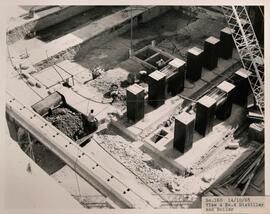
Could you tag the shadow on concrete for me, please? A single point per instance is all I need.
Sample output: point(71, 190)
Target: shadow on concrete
point(76, 22)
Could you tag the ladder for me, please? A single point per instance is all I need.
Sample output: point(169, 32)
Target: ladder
point(248, 48)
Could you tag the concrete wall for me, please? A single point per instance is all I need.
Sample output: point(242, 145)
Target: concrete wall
point(19, 32)
point(59, 16)
point(123, 130)
point(154, 12)
point(168, 163)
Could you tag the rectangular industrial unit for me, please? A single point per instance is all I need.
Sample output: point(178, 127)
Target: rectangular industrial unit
point(226, 43)
point(194, 64)
point(242, 86)
point(205, 115)
point(157, 89)
point(183, 132)
point(211, 51)
point(135, 102)
point(224, 110)
point(175, 75)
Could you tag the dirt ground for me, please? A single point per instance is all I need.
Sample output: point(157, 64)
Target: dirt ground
point(114, 52)
point(174, 33)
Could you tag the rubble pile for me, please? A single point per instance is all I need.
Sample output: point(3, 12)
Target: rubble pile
point(105, 80)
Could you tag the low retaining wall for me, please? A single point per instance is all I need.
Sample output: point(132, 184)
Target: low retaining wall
point(48, 20)
point(170, 164)
point(123, 130)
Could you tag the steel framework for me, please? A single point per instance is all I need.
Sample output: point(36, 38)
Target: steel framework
point(248, 48)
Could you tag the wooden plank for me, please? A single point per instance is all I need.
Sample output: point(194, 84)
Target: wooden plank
point(216, 192)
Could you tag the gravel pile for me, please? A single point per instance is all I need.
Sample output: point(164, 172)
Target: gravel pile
point(160, 179)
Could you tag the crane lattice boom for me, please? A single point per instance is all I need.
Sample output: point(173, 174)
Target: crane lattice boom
point(248, 48)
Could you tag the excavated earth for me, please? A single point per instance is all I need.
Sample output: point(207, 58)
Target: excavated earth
point(70, 123)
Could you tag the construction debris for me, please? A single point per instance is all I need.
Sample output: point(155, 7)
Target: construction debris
point(232, 145)
point(207, 178)
point(242, 176)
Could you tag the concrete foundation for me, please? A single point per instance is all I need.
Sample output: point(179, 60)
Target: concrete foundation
point(226, 43)
point(183, 132)
point(224, 110)
point(175, 76)
point(135, 102)
point(242, 87)
point(211, 50)
point(152, 57)
point(158, 150)
point(194, 63)
point(157, 89)
point(205, 115)
point(176, 85)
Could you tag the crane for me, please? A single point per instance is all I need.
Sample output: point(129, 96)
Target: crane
point(248, 48)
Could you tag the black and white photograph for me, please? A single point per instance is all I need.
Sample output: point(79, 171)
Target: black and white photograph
point(133, 106)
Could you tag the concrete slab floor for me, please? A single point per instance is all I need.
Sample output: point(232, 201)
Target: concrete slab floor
point(154, 117)
point(202, 145)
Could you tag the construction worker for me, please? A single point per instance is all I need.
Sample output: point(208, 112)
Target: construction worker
point(22, 138)
point(92, 120)
point(142, 75)
point(160, 63)
point(114, 92)
point(31, 13)
point(91, 116)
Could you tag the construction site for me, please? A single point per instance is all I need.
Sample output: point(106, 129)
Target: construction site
point(143, 107)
